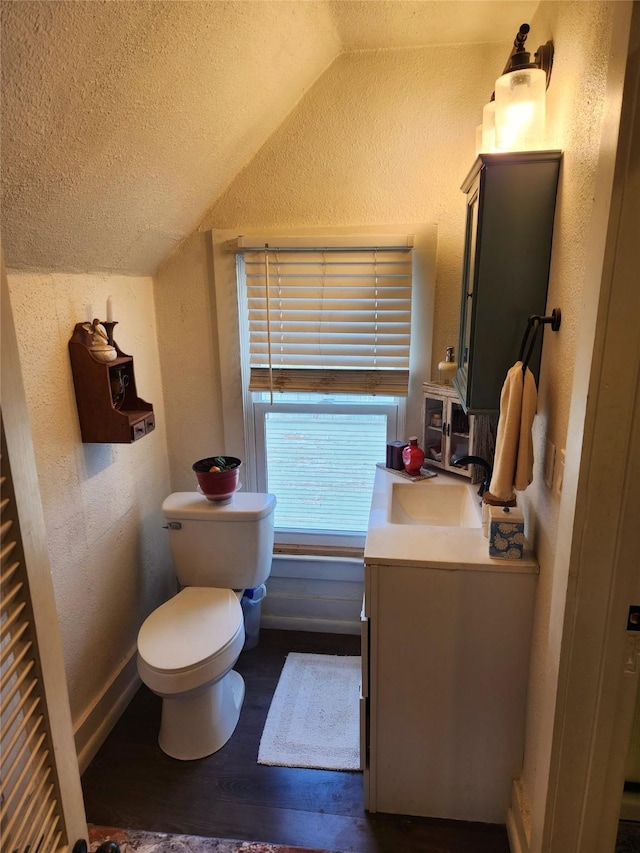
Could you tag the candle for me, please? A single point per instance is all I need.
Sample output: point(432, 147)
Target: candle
point(88, 314)
point(110, 309)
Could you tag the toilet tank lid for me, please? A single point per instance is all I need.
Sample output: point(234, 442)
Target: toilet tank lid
point(245, 506)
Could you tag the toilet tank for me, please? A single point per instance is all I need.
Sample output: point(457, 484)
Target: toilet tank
point(228, 546)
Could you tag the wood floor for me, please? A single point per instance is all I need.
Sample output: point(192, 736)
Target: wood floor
point(131, 784)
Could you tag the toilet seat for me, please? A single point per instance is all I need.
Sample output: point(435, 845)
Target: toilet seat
point(190, 640)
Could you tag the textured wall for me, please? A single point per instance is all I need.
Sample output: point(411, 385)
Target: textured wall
point(188, 348)
point(576, 102)
point(374, 24)
point(101, 502)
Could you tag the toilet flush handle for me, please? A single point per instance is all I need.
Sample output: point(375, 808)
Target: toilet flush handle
point(173, 525)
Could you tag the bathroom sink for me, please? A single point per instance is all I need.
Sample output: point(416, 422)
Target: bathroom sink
point(429, 503)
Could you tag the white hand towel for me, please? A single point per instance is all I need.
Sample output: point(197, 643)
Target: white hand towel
point(513, 463)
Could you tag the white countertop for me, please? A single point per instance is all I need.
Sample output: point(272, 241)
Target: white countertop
point(451, 548)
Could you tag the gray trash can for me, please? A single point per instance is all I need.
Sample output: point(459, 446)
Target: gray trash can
point(251, 603)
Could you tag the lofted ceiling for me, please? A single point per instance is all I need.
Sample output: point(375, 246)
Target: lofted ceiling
point(379, 24)
point(123, 122)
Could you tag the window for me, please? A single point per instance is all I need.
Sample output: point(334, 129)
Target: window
point(319, 458)
point(326, 365)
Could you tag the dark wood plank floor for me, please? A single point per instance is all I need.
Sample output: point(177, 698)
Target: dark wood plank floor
point(131, 783)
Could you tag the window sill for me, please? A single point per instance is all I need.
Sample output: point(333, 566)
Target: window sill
point(319, 550)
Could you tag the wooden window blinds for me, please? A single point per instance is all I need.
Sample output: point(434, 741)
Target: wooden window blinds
point(329, 319)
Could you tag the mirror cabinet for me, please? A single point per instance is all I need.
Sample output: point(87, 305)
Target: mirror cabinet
point(509, 227)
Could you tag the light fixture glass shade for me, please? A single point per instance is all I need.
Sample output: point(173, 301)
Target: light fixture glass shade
point(489, 127)
point(520, 110)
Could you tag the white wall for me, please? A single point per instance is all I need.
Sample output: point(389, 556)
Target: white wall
point(188, 351)
point(101, 502)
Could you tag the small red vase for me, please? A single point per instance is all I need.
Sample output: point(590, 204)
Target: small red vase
point(412, 457)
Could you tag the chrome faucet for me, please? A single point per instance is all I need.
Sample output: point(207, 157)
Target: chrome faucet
point(459, 461)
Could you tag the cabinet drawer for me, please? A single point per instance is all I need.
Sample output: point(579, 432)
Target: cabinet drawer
point(137, 430)
point(143, 426)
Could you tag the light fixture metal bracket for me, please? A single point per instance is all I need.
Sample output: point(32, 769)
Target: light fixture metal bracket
point(544, 58)
point(521, 58)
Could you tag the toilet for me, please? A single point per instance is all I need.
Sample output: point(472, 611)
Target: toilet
point(187, 648)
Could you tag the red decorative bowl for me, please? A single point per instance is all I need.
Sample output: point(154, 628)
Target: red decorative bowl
point(218, 485)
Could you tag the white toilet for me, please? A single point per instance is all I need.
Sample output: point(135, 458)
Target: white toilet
point(188, 646)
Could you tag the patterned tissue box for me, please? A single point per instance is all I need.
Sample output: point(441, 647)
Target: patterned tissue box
point(506, 532)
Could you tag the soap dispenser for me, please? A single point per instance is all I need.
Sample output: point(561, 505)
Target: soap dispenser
point(447, 368)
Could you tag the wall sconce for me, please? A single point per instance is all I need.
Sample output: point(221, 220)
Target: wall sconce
point(515, 119)
point(520, 96)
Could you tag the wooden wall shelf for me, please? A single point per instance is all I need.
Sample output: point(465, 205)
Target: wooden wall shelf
point(109, 409)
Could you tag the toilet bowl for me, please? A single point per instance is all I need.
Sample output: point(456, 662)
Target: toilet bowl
point(186, 652)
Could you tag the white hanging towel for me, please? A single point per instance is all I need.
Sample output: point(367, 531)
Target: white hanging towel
point(513, 463)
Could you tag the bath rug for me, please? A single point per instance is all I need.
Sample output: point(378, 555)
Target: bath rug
point(136, 841)
point(313, 720)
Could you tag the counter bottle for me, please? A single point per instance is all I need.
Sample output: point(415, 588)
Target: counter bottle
point(413, 457)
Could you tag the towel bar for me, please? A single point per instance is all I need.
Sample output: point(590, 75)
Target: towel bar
point(534, 322)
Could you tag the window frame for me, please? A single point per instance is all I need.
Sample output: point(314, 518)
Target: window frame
point(233, 432)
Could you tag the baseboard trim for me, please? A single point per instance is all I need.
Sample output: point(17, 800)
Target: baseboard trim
point(518, 820)
point(300, 623)
point(105, 711)
point(630, 806)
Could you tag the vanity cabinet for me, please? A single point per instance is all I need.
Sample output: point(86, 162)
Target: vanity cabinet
point(445, 657)
point(509, 227)
point(109, 408)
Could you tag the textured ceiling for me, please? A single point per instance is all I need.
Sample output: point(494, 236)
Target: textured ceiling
point(122, 122)
point(374, 24)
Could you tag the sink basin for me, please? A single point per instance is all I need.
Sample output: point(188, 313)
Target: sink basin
point(435, 505)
